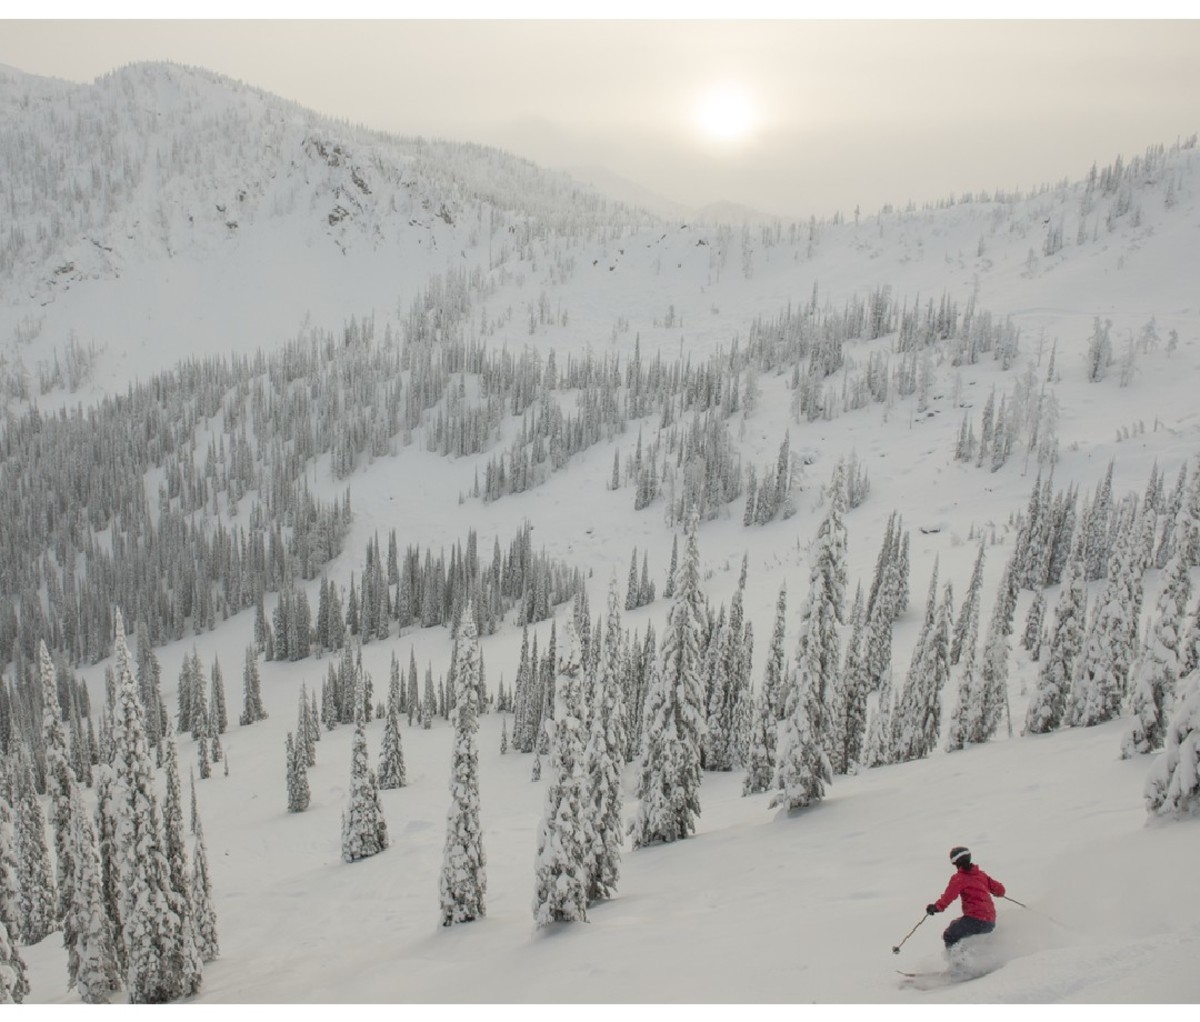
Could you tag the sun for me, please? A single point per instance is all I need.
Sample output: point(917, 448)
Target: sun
point(725, 113)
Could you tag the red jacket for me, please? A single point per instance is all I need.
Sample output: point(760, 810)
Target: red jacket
point(976, 888)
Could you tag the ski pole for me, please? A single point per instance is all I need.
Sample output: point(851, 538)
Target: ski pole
point(1034, 911)
point(896, 949)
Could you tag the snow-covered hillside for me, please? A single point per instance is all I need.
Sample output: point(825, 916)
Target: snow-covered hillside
point(183, 259)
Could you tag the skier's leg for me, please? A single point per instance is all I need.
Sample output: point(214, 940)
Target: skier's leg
point(961, 927)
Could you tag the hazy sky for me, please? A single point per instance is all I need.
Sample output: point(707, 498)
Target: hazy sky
point(807, 116)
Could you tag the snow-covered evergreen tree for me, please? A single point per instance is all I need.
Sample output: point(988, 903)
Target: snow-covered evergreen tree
point(1173, 785)
point(14, 978)
point(199, 711)
point(463, 882)
point(567, 834)
point(252, 706)
point(298, 792)
point(184, 958)
point(968, 614)
point(1157, 671)
point(802, 769)
point(92, 966)
point(59, 779)
point(152, 929)
point(992, 700)
point(968, 686)
point(364, 830)
point(769, 708)
point(10, 892)
point(917, 719)
point(204, 915)
point(1031, 638)
point(1103, 670)
point(669, 785)
point(35, 865)
point(605, 756)
point(391, 753)
point(856, 687)
point(819, 664)
point(1048, 707)
point(216, 700)
point(110, 871)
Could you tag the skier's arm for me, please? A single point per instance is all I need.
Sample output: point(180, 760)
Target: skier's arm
point(950, 893)
point(996, 887)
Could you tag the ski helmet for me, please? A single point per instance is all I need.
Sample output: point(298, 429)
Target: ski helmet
point(960, 856)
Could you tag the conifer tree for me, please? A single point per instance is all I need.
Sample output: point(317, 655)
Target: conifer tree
point(760, 768)
point(184, 958)
point(391, 754)
point(633, 588)
point(669, 588)
point(917, 720)
point(152, 929)
point(852, 727)
point(186, 683)
point(205, 916)
point(110, 867)
point(718, 743)
point(92, 966)
point(669, 786)
point(993, 686)
point(769, 709)
point(252, 706)
point(819, 663)
point(802, 769)
point(463, 882)
point(1107, 653)
point(1048, 707)
point(1157, 672)
point(1173, 786)
point(880, 748)
point(203, 763)
point(968, 614)
point(566, 834)
point(298, 792)
point(429, 703)
point(604, 758)
point(364, 830)
point(14, 978)
point(35, 867)
point(59, 778)
point(306, 732)
point(199, 713)
point(1031, 638)
point(11, 913)
point(216, 701)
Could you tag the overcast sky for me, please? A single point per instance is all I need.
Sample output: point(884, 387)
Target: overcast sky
point(801, 117)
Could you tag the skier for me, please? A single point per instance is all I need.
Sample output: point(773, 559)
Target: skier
point(976, 889)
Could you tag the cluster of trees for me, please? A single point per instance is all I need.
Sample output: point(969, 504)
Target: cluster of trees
point(1094, 667)
point(766, 500)
point(1027, 417)
point(134, 913)
point(418, 591)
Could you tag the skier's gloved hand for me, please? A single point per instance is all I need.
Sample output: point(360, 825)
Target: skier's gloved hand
point(931, 910)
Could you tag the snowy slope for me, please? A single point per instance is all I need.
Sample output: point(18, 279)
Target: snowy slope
point(757, 907)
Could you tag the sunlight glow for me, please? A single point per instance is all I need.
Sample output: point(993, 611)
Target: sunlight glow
point(726, 113)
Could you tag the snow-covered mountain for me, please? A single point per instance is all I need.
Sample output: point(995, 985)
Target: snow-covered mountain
point(259, 314)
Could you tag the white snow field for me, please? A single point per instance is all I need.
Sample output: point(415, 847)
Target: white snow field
point(758, 906)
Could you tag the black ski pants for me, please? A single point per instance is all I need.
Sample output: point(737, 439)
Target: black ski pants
point(965, 926)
